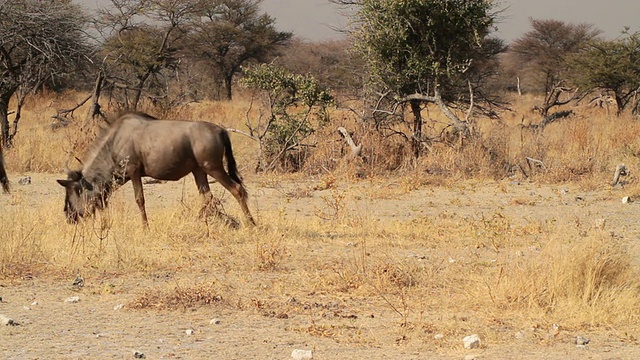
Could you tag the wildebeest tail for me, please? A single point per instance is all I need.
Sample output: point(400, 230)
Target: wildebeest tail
point(231, 161)
point(4, 180)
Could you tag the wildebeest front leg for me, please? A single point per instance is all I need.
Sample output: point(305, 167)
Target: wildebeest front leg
point(136, 180)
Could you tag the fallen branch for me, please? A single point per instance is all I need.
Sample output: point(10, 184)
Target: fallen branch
point(621, 170)
point(535, 161)
point(243, 133)
point(356, 150)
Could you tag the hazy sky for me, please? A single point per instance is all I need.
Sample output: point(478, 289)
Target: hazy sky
point(314, 19)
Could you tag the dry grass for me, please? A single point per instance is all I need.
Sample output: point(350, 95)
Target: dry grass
point(437, 274)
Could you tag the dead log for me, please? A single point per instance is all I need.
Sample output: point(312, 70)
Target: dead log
point(621, 170)
point(356, 150)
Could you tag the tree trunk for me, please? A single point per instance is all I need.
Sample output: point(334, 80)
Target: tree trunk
point(227, 81)
point(619, 105)
point(4, 119)
point(417, 127)
point(94, 108)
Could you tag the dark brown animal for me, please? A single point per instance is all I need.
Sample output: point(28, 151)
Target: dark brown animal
point(4, 180)
point(137, 145)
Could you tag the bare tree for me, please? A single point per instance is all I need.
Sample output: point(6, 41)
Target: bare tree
point(141, 40)
point(40, 42)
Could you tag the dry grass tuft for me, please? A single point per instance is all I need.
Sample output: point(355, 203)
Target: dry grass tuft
point(578, 285)
point(177, 298)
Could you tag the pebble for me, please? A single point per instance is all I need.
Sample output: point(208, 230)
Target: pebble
point(73, 299)
point(214, 321)
point(582, 340)
point(298, 354)
point(5, 320)
point(471, 341)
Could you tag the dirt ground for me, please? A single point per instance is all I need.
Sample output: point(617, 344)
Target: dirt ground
point(97, 327)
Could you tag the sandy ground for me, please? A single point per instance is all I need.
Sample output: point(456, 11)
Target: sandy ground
point(97, 328)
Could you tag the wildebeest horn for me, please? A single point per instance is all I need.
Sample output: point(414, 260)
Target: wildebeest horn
point(85, 184)
point(74, 175)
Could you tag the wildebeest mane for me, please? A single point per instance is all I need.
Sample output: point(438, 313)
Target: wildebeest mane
point(103, 144)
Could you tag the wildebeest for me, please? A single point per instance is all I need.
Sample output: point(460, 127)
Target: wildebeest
point(137, 145)
point(4, 180)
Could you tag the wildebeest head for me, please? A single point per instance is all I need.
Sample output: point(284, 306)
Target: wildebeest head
point(82, 197)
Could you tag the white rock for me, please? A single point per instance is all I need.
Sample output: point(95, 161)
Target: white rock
point(298, 354)
point(471, 341)
point(34, 303)
point(73, 299)
point(582, 340)
point(189, 331)
point(626, 200)
point(5, 320)
point(438, 336)
point(118, 307)
point(214, 321)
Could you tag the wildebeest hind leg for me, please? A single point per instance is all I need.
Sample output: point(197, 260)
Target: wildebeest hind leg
point(237, 190)
point(208, 204)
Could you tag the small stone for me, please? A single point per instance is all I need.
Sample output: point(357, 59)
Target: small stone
point(189, 331)
point(471, 341)
point(35, 303)
point(25, 180)
point(138, 355)
point(118, 307)
point(78, 282)
point(438, 336)
point(581, 340)
point(626, 200)
point(214, 321)
point(298, 354)
point(73, 299)
point(5, 320)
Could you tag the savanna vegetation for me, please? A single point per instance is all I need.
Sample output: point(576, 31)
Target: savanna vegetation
point(430, 100)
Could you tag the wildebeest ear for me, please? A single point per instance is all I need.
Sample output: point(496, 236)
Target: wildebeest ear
point(65, 183)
